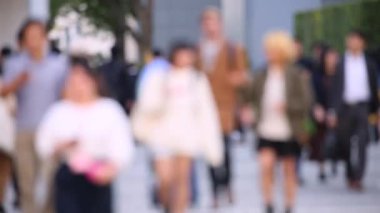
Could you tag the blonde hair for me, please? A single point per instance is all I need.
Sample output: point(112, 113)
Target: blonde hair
point(283, 43)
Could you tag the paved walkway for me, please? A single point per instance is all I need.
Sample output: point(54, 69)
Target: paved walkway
point(314, 197)
point(132, 192)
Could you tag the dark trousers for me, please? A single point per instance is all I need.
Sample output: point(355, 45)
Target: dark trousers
point(221, 176)
point(75, 194)
point(353, 139)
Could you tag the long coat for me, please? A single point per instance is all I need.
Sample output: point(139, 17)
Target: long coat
point(231, 59)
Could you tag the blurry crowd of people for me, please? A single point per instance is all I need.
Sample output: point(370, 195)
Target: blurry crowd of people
point(66, 122)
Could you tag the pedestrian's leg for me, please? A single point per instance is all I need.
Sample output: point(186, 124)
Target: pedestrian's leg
point(16, 186)
point(5, 173)
point(95, 198)
point(228, 167)
point(344, 132)
point(164, 172)
point(214, 185)
point(66, 190)
point(181, 186)
point(290, 181)
point(267, 160)
point(26, 163)
point(363, 141)
point(49, 170)
point(194, 183)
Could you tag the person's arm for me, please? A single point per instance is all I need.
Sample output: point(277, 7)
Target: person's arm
point(248, 101)
point(120, 147)
point(14, 85)
point(239, 76)
point(209, 119)
point(45, 142)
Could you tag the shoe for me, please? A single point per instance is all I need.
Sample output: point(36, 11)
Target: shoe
point(334, 169)
point(230, 196)
point(167, 210)
point(357, 186)
point(322, 177)
point(301, 181)
point(269, 209)
point(288, 210)
point(215, 203)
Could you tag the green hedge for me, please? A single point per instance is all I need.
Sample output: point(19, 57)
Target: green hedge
point(331, 24)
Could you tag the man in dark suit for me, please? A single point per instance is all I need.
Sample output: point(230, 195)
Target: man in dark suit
point(353, 100)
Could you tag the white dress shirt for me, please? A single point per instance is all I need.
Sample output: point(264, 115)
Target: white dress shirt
point(274, 125)
point(356, 87)
point(209, 53)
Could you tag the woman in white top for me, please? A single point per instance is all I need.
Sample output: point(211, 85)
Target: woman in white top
point(183, 124)
point(280, 98)
point(91, 136)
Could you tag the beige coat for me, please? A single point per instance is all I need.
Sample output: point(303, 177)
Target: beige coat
point(231, 61)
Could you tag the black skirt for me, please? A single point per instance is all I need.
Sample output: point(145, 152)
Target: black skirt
point(282, 148)
point(76, 194)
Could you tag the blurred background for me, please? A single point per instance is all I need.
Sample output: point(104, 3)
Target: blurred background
point(138, 26)
point(141, 25)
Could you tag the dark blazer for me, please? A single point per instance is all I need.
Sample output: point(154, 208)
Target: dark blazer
point(336, 99)
point(298, 97)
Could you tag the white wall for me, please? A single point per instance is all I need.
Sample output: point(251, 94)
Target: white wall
point(39, 9)
point(264, 16)
point(12, 14)
point(177, 19)
point(235, 19)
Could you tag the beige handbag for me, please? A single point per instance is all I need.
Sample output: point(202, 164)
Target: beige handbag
point(143, 124)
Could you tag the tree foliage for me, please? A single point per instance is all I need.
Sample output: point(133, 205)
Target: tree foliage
point(111, 15)
point(331, 24)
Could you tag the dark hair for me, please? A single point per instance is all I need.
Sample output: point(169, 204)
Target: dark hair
point(325, 52)
point(179, 46)
point(319, 44)
point(116, 51)
point(298, 40)
point(54, 47)
point(357, 33)
point(28, 23)
point(91, 72)
point(6, 51)
point(157, 52)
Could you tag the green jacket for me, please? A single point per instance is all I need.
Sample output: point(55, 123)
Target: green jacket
point(298, 98)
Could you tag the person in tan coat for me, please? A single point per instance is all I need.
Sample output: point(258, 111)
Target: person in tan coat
point(225, 64)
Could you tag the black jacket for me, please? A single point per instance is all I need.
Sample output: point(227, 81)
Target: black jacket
point(336, 98)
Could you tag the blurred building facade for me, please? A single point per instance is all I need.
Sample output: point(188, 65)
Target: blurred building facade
point(246, 21)
point(12, 14)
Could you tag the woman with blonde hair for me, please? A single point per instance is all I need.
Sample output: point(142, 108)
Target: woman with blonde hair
point(280, 99)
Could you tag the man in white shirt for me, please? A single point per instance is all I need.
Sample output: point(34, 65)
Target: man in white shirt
point(353, 99)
